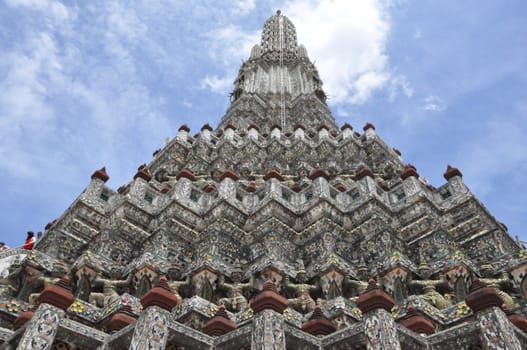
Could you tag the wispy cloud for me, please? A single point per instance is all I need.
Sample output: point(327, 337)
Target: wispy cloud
point(399, 84)
point(347, 39)
point(228, 45)
point(75, 89)
point(217, 84)
point(433, 103)
point(243, 6)
point(54, 9)
point(498, 151)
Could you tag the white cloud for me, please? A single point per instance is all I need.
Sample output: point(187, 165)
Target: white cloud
point(32, 74)
point(399, 84)
point(348, 41)
point(54, 9)
point(243, 7)
point(217, 84)
point(67, 94)
point(433, 103)
point(228, 45)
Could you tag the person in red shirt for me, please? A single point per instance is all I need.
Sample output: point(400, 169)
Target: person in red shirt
point(30, 240)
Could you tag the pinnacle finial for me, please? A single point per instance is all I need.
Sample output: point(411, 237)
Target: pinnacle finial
point(279, 35)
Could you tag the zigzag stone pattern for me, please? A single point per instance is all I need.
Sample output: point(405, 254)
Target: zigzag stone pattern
point(276, 230)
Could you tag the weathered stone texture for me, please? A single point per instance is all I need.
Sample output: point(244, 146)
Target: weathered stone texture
point(282, 217)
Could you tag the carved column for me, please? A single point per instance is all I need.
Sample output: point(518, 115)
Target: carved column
point(151, 330)
point(496, 331)
point(379, 326)
point(268, 331)
point(42, 328)
point(381, 331)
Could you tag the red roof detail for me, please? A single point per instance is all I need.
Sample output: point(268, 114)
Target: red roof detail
point(451, 172)
point(229, 173)
point(346, 126)
point(187, 174)
point(100, 174)
point(273, 173)
point(368, 126)
point(362, 172)
point(409, 171)
point(184, 127)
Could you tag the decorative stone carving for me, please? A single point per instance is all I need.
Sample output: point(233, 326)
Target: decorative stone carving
point(227, 212)
point(151, 330)
point(42, 328)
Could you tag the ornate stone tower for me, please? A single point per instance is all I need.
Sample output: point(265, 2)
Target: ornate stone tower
point(276, 230)
point(278, 85)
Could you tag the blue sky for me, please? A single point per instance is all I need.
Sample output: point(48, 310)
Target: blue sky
point(90, 83)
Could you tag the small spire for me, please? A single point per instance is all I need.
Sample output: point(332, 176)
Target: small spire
point(187, 174)
point(362, 172)
point(451, 172)
point(206, 127)
point(143, 173)
point(229, 173)
point(273, 173)
point(409, 171)
point(100, 174)
point(50, 224)
point(210, 187)
point(184, 127)
point(368, 126)
point(346, 126)
point(163, 283)
point(269, 285)
point(372, 285)
point(251, 187)
point(341, 187)
point(317, 172)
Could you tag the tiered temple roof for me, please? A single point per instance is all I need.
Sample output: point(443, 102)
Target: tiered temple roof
point(278, 229)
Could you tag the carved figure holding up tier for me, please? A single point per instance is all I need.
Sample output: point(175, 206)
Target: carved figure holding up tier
point(303, 302)
point(353, 288)
point(109, 289)
point(6, 287)
point(43, 281)
point(431, 295)
point(40, 280)
point(497, 284)
point(10, 284)
point(174, 284)
point(235, 300)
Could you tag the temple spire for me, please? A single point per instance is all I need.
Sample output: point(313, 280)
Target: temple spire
point(279, 35)
point(278, 85)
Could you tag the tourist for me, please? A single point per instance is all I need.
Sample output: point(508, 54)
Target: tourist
point(39, 235)
point(30, 240)
point(3, 246)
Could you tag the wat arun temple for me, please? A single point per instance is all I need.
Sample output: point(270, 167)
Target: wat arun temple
point(278, 229)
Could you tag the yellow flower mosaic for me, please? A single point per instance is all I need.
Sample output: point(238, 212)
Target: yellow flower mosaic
point(77, 307)
point(13, 306)
point(462, 309)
